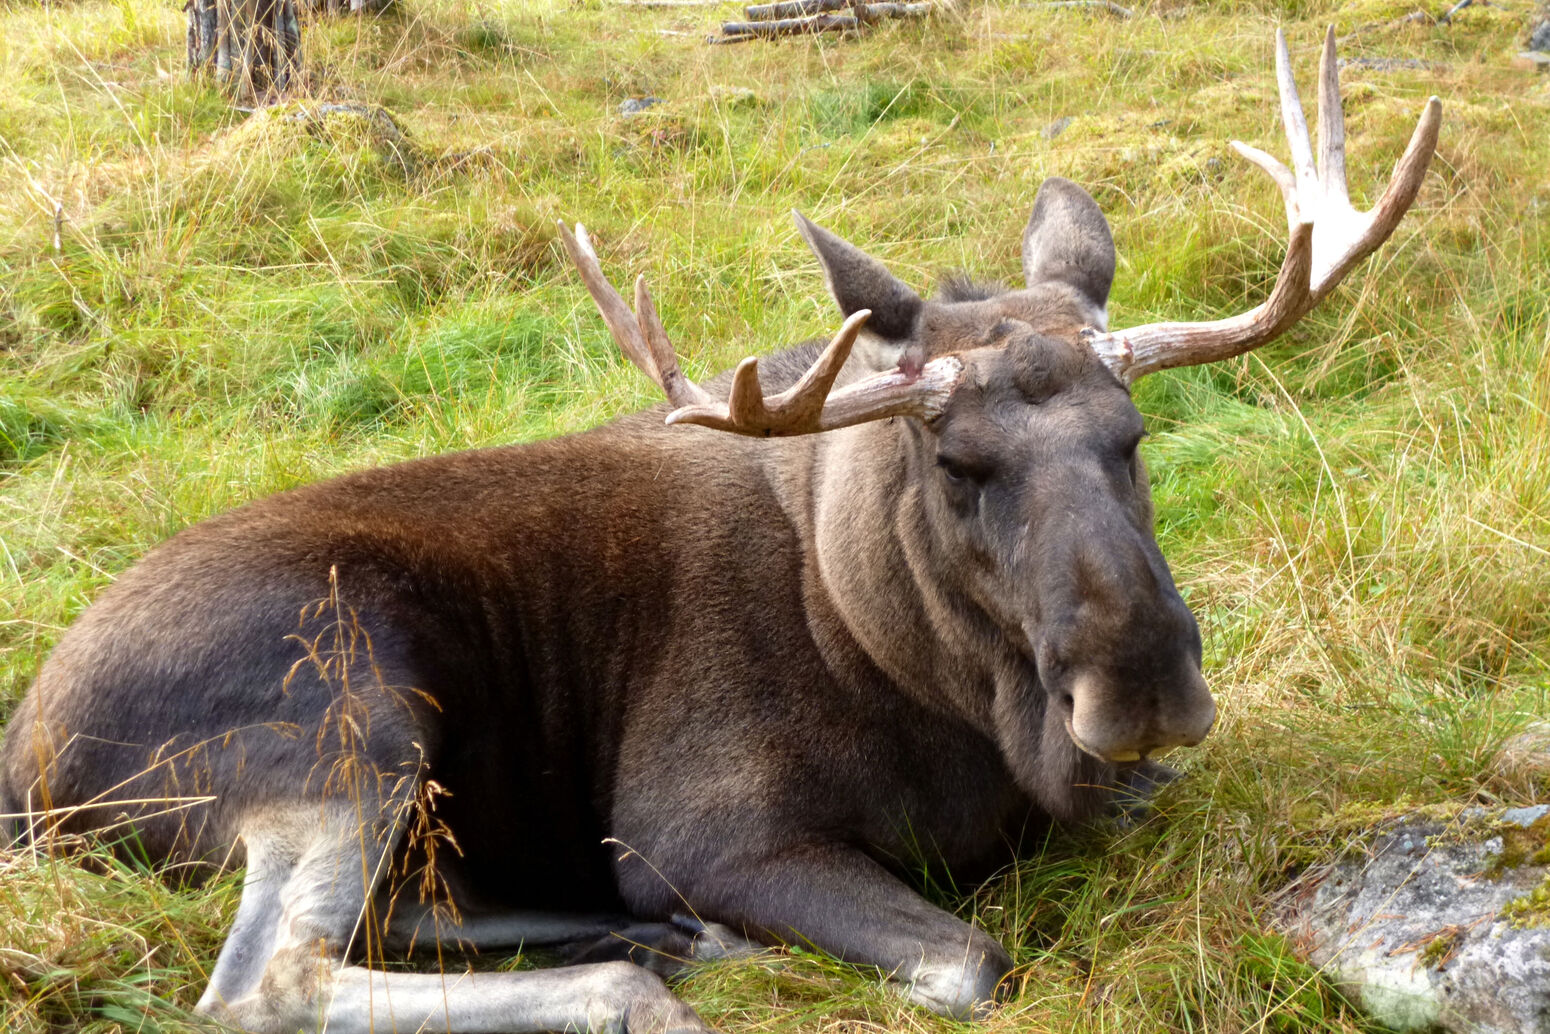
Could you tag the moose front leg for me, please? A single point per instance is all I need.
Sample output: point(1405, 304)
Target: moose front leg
point(840, 901)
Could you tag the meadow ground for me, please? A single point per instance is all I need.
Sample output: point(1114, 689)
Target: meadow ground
point(1359, 514)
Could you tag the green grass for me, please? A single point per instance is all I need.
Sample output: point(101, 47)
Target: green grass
point(1359, 514)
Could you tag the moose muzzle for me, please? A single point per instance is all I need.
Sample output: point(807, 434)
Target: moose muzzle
point(1126, 723)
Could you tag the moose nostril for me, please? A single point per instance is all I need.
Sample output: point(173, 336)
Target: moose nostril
point(1067, 702)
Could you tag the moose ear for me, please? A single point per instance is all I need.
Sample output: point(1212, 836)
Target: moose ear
point(859, 281)
point(1068, 239)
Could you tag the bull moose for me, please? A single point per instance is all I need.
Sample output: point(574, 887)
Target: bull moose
point(675, 687)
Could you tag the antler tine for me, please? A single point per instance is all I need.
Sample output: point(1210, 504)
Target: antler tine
point(1328, 235)
point(1331, 124)
point(745, 403)
point(639, 334)
point(680, 390)
point(1292, 116)
point(808, 394)
point(1276, 171)
point(1375, 226)
point(616, 314)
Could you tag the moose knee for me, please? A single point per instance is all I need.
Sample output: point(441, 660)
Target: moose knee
point(962, 984)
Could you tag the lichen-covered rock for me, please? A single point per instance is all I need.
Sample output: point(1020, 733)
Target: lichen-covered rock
point(1430, 930)
point(1539, 31)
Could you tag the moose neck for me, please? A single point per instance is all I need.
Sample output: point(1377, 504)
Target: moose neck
point(899, 597)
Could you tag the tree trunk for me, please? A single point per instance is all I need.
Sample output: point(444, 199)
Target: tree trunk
point(253, 46)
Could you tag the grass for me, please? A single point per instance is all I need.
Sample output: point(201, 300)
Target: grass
point(1359, 514)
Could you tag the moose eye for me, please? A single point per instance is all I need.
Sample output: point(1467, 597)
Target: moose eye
point(960, 471)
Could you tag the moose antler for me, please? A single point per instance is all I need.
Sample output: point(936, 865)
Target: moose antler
point(806, 407)
point(1327, 235)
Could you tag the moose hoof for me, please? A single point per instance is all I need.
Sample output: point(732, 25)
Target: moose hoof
point(656, 1010)
point(966, 989)
point(713, 941)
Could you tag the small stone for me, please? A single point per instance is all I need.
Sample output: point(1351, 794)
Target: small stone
point(734, 96)
point(1532, 61)
point(1525, 817)
point(1057, 127)
point(636, 105)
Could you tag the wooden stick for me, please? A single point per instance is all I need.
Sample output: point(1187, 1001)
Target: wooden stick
point(793, 26)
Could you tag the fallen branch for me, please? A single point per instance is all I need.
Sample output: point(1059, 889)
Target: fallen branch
point(870, 13)
point(792, 26)
point(1102, 5)
point(793, 9)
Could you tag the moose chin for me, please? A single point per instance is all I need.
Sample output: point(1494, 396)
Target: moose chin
point(735, 658)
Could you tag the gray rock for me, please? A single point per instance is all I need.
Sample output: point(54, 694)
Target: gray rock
point(1414, 929)
point(636, 105)
point(1057, 127)
point(1539, 39)
point(1523, 818)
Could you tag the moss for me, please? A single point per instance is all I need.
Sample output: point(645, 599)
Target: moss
point(1532, 910)
point(1440, 949)
point(1521, 846)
